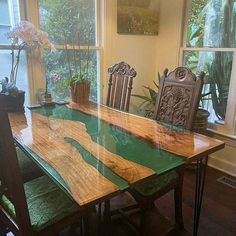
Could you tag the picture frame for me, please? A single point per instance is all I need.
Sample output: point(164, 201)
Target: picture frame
point(138, 17)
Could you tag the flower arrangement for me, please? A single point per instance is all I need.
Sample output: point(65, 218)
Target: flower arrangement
point(23, 36)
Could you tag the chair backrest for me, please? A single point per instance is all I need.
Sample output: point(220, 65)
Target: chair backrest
point(178, 97)
point(11, 181)
point(120, 85)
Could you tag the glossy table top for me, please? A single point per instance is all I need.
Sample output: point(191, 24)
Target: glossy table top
point(93, 151)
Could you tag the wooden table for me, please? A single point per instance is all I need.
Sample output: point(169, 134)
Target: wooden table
point(94, 152)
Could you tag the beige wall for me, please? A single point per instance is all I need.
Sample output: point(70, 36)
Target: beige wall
point(147, 54)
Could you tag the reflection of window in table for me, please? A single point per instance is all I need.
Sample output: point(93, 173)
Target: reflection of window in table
point(210, 46)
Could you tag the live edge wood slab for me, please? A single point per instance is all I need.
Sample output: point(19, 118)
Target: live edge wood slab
point(92, 152)
point(180, 142)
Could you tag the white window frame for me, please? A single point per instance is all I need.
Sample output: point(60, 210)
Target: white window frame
point(36, 73)
point(229, 127)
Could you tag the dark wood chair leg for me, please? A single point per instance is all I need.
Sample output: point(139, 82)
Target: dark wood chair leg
point(143, 222)
point(99, 218)
point(86, 231)
point(107, 213)
point(178, 203)
point(3, 230)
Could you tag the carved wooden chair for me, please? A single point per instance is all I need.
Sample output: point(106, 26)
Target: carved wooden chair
point(120, 85)
point(178, 97)
point(37, 207)
point(176, 104)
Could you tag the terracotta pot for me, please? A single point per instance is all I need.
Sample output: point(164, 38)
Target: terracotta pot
point(15, 104)
point(80, 92)
point(201, 120)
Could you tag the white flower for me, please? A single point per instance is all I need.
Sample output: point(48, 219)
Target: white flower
point(25, 32)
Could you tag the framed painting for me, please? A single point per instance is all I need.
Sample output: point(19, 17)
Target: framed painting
point(140, 17)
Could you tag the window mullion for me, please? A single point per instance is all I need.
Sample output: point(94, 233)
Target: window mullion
point(230, 119)
point(77, 47)
point(36, 68)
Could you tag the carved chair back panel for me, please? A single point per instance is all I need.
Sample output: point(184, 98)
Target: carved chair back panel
point(178, 98)
point(175, 105)
point(120, 85)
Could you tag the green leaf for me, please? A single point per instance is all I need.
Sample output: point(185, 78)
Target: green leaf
point(156, 83)
point(142, 97)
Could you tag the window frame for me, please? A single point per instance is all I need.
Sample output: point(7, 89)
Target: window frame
point(229, 126)
point(29, 10)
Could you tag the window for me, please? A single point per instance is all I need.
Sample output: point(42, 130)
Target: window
point(9, 16)
point(58, 18)
point(210, 46)
point(72, 27)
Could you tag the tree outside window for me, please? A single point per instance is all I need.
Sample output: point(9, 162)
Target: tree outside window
point(71, 26)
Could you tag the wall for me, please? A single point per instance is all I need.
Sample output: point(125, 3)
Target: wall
point(147, 54)
point(150, 55)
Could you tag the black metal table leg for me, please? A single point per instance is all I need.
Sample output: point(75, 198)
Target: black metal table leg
point(199, 188)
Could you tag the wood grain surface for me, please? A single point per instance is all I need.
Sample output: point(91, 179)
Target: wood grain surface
point(183, 143)
point(46, 137)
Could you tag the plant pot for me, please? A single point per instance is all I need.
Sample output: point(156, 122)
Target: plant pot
point(201, 120)
point(15, 104)
point(80, 92)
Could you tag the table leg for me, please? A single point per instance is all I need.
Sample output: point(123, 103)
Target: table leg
point(199, 188)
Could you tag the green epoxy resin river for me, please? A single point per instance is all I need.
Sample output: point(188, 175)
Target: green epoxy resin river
point(116, 141)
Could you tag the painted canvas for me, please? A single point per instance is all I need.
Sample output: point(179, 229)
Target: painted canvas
point(138, 17)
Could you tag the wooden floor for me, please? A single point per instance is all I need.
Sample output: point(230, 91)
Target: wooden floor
point(218, 211)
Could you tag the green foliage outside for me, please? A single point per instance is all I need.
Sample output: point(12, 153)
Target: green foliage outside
point(70, 24)
point(219, 65)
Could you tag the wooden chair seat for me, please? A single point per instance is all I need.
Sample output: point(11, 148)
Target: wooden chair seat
point(156, 184)
point(47, 203)
point(28, 168)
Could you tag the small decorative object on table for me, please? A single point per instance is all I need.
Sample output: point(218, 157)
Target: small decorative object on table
point(23, 36)
point(47, 98)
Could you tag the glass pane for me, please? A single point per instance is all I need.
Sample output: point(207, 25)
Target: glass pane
point(217, 66)
point(63, 19)
point(5, 69)
point(4, 17)
point(9, 16)
point(212, 24)
point(82, 63)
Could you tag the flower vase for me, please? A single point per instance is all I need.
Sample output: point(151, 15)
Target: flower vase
point(80, 92)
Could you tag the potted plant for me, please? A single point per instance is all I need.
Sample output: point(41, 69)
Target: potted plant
point(147, 107)
point(79, 78)
point(23, 36)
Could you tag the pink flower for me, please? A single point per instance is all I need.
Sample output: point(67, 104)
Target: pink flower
point(25, 32)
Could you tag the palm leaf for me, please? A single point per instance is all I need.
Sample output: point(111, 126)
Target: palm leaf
point(142, 97)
